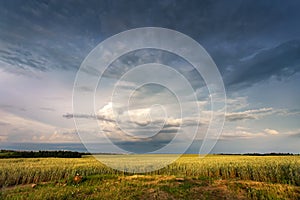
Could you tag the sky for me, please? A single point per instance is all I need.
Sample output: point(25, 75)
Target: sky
point(254, 44)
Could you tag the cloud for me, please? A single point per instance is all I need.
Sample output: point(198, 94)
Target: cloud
point(132, 59)
point(258, 113)
point(249, 114)
point(8, 108)
point(236, 103)
point(57, 136)
point(297, 135)
point(240, 132)
point(36, 36)
point(280, 61)
point(141, 117)
point(271, 131)
point(63, 135)
point(88, 116)
point(4, 123)
point(139, 125)
point(16, 129)
point(287, 112)
point(3, 138)
point(293, 133)
point(41, 42)
point(85, 89)
point(47, 109)
point(43, 38)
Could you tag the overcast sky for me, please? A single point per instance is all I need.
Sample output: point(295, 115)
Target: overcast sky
point(255, 45)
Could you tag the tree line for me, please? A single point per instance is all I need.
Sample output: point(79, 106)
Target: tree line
point(40, 154)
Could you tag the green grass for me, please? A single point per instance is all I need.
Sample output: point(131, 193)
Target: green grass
point(190, 177)
point(153, 187)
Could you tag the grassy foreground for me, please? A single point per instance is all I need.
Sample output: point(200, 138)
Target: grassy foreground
point(190, 177)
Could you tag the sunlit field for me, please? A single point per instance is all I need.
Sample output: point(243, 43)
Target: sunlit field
point(190, 177)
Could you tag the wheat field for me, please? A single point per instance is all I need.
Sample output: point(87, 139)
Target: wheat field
point(244, 177)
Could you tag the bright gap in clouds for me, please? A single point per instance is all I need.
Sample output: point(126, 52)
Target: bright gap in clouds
point(162, 110)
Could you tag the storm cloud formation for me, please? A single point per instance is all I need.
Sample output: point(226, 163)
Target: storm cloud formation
point(249, 41)
point(255, 45)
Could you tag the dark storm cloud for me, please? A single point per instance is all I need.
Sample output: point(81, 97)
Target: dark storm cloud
point(47, 35)
point(145, 145)
point(135, 58)
point(86, 116)
point(47, 109)
point(281, 61)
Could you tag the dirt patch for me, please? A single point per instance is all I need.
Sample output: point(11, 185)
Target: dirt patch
point(156, 194)
point(218, 190)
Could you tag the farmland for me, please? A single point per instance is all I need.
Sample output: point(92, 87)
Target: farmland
point(190, 177)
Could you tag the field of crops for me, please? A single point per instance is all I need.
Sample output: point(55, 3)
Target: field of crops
point(244, 177)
